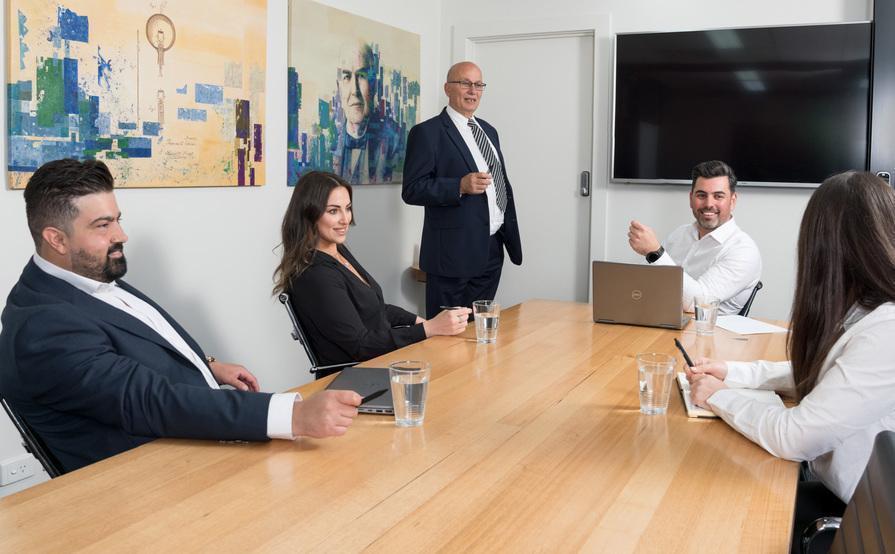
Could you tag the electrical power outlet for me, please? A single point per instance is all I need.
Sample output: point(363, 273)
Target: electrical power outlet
point(16, 468)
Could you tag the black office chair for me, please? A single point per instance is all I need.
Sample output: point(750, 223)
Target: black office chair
point(748, 306)
point(299, 335)
point(33, 443)
point(868, 524)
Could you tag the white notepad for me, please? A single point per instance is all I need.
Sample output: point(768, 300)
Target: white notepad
point(746, 325)
point(692, 409)
point(767, 396)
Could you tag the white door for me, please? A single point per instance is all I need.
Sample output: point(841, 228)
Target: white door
point(540, 98)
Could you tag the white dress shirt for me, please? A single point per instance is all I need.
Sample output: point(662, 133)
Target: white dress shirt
point(834, 425)
point(495, 215)
point(725, 263)
point(279, 411)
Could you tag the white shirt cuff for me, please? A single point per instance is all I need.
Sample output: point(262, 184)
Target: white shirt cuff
point(739, 375)
point(279, 415)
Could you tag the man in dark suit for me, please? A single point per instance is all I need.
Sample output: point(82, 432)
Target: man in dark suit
point(95, 367)
point(454, 167)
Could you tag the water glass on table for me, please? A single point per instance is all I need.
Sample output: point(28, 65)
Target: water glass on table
point(706, 308)
point(655, 374)
point(487, 319)
point(410, 384)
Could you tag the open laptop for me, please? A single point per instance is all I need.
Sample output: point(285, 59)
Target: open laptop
point(636, 294)
point(365, 381)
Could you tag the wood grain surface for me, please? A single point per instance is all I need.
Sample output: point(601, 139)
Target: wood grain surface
point(535, 443)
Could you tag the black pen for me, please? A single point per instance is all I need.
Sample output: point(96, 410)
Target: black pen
point(684, 352)
point(451, 307)
point(373, 396)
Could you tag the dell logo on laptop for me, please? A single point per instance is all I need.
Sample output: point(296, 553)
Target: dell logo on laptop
point(636, 294)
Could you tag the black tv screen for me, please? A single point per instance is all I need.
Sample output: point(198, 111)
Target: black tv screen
point(781, 105)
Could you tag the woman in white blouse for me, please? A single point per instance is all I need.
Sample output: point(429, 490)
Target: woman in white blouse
point(841, 342)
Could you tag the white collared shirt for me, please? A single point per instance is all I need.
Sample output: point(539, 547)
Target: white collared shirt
point(279, 413)
point(834, 426)
point(495, 215)
point(725, 263)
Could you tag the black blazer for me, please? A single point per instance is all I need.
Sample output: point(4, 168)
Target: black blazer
point(93, 381)
point(455, 230)
point(345, 319)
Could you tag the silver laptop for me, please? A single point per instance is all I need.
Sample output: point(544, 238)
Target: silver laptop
point(636, 294)
point(365, 381)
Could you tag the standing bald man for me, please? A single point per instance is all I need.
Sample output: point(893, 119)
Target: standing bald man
point(455, 169)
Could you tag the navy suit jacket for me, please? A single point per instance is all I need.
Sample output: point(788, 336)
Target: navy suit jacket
point(455, 228)
point(93, 381)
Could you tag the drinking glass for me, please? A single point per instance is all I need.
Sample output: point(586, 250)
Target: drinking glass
point(655, 375)
point(487, 320)
point(410, 384)
point(706, 308)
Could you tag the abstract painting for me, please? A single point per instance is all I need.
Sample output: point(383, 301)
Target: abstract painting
point(353, 94)
point(167, 93)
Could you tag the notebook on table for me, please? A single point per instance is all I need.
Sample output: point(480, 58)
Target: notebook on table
point(766, 396)
point(635, 294)
point(365, 381)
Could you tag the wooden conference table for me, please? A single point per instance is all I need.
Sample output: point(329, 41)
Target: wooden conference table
point(534, 443)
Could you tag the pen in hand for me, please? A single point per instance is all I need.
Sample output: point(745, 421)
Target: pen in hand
point(684, 352)
point(373, 396)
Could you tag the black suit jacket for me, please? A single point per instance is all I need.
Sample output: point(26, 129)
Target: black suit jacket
point(93, 381)
point(345, 319)
point(455, 228)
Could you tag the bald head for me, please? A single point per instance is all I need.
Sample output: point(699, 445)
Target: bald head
point(459, 87)
point(458, 68)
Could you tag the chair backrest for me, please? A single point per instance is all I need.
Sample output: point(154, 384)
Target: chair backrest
point(868, 524)
point(744, 311)
point(33, 443)
point(299, 335)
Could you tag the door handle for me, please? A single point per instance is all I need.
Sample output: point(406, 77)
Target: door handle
point(585, 183)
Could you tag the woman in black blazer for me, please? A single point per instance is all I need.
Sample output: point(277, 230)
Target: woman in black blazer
point(339, 305)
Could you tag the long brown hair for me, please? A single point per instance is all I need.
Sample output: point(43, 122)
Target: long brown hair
point(299, 230)
point(846, 256)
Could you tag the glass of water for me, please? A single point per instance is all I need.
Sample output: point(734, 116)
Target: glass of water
point(487, 319)
point(410, 383)
point(706, 308)
point(655, 373)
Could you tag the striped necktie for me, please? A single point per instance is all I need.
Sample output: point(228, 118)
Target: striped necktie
point(493, 162)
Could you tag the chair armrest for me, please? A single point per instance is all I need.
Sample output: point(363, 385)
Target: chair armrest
point(817, 528)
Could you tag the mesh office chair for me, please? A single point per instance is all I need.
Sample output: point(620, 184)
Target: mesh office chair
point(868, 524)
point(299, 335)
point(33, 443)
point(748, 306)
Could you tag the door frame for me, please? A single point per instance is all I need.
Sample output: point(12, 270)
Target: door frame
point(467, 35)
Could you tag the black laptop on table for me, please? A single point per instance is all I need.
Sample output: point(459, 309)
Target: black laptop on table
point(365, 381)
point(636, 294)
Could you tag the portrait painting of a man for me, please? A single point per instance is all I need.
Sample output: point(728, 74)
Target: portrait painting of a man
point(353, 95)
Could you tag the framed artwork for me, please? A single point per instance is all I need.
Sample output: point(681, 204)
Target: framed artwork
point(168, 94)
point(353, 94)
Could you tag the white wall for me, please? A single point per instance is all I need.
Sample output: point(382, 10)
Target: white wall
point(770, 216)
point(206, 255)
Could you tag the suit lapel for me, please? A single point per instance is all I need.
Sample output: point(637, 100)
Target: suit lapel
point(47, 284)
point(180, 330)
point(458, 141)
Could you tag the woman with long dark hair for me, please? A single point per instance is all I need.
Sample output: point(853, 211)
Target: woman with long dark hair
point(841, 341)
point(338, 303)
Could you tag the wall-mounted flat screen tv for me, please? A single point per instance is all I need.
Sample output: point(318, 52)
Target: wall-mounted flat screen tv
point(784, 106)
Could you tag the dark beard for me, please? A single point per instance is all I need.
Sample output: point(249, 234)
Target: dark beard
point(104, 271)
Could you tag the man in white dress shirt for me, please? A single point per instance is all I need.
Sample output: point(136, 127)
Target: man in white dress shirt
point(95, 367)
point(719, 258)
